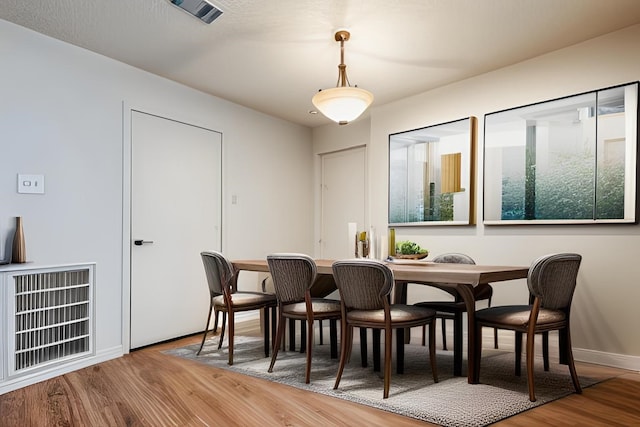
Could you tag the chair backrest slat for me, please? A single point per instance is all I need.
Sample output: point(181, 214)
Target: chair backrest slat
point(292, 275)
point(363, 284)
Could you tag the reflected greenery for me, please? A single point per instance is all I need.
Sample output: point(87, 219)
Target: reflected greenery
point(563, 160)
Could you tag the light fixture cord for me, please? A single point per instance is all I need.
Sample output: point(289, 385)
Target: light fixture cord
point(342, 67)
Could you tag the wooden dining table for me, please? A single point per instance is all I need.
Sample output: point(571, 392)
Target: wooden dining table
point(461, 277)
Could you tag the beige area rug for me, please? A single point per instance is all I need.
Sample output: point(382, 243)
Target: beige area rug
point(450, 402)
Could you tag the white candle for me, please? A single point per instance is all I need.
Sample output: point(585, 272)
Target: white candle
point(383, 248)
point(372, 243)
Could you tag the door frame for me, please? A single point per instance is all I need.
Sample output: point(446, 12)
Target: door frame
point(127, 111)
point(319, 197)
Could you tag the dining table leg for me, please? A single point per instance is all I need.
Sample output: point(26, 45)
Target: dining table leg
point(400, 340)
point(458, 332)
point(466, 292)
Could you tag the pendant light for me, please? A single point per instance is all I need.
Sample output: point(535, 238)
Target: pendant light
point(343, 103)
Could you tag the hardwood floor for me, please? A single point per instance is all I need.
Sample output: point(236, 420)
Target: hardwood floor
point(148, 388)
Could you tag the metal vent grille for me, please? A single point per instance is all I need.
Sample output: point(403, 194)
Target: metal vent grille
point(201, 9)
point(52, 317)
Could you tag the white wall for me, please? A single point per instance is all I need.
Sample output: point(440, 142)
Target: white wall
point(61, 115)
point(605, 315)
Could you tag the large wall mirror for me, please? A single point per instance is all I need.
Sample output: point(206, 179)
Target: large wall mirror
point(569, 160)
point(432, 175)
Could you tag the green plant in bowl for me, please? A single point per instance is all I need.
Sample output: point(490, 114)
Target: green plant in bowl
point(408, 249)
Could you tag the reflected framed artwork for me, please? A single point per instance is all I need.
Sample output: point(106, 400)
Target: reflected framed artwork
point(571, 160)
point(432, 175)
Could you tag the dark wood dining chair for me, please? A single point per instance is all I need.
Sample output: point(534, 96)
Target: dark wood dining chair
point(454, 309)
point(225, 298)
point(320, 289)
point(552, 281)
point(293, 276)
point(364, 286)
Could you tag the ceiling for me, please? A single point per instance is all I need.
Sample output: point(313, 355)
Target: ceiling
point(274, 55)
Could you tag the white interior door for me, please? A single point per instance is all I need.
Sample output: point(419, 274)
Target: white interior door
point(343, 200)
point(176, 213)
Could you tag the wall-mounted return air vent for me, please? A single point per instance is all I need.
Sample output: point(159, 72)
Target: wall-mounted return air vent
point(51, 317)
point(201, 9)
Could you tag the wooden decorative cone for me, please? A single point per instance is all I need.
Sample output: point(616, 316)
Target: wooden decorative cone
point(19, 253)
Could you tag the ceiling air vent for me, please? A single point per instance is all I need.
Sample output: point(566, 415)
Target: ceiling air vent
point(201, 9)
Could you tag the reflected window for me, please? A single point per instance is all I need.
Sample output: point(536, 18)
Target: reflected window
point(431, 174)
point(567, 160)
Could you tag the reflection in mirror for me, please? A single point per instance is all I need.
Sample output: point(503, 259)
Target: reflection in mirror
point(431, 175)
point(571, 160)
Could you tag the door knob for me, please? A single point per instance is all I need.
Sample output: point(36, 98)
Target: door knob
point(141, 242)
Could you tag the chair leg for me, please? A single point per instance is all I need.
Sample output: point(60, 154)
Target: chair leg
point(400, 350)
point(363, 347)
point(477, 351)
point(206, 328)
point(432, 349)
point(347, 336)
point(321, 334)
point(570, 362)
point(562, 347)
point(333, 338)
point(274, 325)
point(495, 330)
point(265, 327)
point(216, 314)
point(545, 350)
point(443, 323)
point(309, 345)
point(375, 348)
point(424, 335)
point(224, 324)
point(518, 351)
point(292, 334)
point(387, 361)
point(231, 336)
point(349, 339)
point(278, 340)
point(530, 362)
point(303, 336)
point(457, 344)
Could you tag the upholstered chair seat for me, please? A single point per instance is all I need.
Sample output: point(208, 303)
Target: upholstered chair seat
point(244, 301)
point(518, 316)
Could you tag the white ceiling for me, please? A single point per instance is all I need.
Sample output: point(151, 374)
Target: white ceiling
point(273, 55)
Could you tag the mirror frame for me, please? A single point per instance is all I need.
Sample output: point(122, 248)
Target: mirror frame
point(449, 171)
point(589, 176)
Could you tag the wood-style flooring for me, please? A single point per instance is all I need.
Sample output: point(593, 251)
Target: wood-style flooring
point(148, 388)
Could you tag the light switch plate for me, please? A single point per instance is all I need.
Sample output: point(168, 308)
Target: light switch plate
point(30, 184)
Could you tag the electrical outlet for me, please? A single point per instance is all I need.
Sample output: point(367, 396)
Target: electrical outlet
point(30, 184)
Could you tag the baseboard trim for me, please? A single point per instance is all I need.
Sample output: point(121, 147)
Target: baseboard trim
point(613, 360)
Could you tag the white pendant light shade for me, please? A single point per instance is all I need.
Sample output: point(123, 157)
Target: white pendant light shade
point(342, 104)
